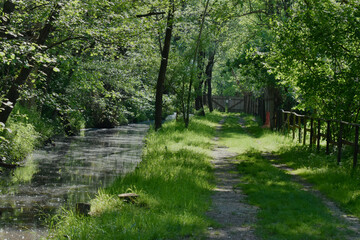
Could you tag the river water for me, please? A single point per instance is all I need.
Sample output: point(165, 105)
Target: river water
point(69, 171)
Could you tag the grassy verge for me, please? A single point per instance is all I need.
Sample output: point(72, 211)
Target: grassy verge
point(285, 210)
point(174, 182)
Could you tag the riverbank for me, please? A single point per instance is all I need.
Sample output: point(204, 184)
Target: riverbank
point(174, 183)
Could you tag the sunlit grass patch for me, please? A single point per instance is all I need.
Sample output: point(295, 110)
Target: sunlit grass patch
point(174, 183)
point(249, 135)
point(286, 211)
point(339, 183)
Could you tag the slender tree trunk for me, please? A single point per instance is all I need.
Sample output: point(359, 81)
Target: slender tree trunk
point(199, 105)
point(14, 92)
point(194, 61)
point(163, 67)
point(208, 72)
point(204, 95)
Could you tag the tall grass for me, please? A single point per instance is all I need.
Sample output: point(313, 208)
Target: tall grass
point(174, 181)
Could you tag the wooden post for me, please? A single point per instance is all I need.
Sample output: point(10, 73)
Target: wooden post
point(311, 131)
point(288, 122)
point(340, 142)
point(305, 121)
point(356, 146)
point(318, 135)
point(282, 122)
point(328, 136)
point(293, 127)
point(299, 122)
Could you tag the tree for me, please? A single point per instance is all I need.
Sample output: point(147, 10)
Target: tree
point(163, 66)
point(316, 54)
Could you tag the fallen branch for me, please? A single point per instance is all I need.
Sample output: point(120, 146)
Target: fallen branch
point(9, 166)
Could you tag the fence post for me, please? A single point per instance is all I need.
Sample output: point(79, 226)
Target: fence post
point(340, 142)
point(288, 122)
point(282, 120)
point(311, 131)
point(293, 127)
point(356, 146)
point(299, 122)
point(305, 121)
point(318, 135)
point(328, 136)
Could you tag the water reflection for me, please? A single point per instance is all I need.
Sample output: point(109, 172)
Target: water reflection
point(71, 171)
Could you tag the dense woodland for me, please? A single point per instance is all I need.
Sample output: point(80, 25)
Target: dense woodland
point(66, 65)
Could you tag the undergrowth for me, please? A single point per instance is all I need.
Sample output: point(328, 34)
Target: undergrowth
point(173, 181)
point(25, 130)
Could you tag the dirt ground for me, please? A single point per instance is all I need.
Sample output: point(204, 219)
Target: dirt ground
point(230, 210)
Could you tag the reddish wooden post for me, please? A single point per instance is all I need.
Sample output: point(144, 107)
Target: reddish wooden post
point(356, 146)
point(340, 142)
point(318, 135)
point(328, 137)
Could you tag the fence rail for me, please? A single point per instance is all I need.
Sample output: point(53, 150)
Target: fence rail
point(336, 133)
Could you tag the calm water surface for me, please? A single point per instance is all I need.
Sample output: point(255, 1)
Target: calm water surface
point(71, 171)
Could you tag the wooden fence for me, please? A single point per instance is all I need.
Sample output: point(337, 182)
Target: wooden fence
point(334, 132)
point(231, 104)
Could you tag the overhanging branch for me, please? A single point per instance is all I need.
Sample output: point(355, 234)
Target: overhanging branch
point(149, 14)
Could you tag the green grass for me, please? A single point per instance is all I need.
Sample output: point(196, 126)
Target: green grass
point(285, 210)
point(174, 182)
point(339, 183)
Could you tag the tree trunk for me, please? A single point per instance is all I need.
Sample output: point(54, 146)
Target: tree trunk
point(14, 92)
point(199, 105)
point(208, 72)
point(194, 61)
point(163, 67)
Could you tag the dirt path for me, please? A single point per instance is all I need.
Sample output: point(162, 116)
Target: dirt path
point(229, 209)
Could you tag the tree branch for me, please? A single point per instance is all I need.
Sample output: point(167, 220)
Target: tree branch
point(65, 40)
point(150, 14)
point(252, 12)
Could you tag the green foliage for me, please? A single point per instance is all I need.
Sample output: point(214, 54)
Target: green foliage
point(174, 181)
point(22, 141)
point(25, 131)
point(316, 53)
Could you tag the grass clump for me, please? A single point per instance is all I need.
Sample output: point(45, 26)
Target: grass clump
point(174, 181)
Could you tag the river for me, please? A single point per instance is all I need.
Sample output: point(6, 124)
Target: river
point(69, 171)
